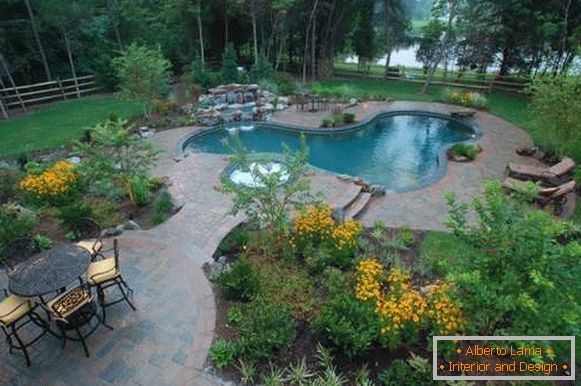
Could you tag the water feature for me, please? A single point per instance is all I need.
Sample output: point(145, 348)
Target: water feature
point(400, 152)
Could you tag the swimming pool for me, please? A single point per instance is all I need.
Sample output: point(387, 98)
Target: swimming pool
point(401, 151)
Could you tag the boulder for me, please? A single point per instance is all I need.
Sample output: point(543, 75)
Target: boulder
point(146, 132)
point(236, 106)
point(74, 160)
point(187, 109)
point(280, 107)
point(215, 268)
point(352, 102)
point(338, 214)
point(112, 232)
point(284, 100)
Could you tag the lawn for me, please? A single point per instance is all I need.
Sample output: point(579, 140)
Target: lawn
point(513, 108)
point(57, 125)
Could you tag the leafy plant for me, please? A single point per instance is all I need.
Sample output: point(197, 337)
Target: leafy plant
point(347, 324)
point(104, 211)
point(406, 236)
point(464, 98)
point(298, 373)
point(515, 277)
point(230, 73)
point(15, 222)
point(162, 208)
point(234, 316)
point(223, 353)
point(9, 177)
point(465, 150)
point(261, 70)
point(275, 376)
point(411, 372)
point(43, 242)
point(269, 202)
point(144, 75)
point(248, 371)
point(139, 190)
point(116, 157)
point(71, 215)
point(266, 329)
point(240, 283)
point(202, 76)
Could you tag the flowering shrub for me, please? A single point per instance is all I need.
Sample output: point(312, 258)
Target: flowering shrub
point(465, 98)
point(402, 309)
point(315, 226)
point(52, 184)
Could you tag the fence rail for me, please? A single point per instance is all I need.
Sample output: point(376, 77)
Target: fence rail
point(31, 94)
point(453, 79)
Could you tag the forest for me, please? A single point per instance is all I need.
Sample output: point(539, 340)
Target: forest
point(49, 39)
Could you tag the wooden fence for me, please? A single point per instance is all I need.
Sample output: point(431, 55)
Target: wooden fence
point(31, 94)
point(488, 82)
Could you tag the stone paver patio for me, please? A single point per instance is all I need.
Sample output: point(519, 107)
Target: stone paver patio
point(166, 341)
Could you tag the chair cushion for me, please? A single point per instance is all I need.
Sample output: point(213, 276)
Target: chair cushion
point(13, 308)
point(91, 245)
point(68, 302)
point(101, 271)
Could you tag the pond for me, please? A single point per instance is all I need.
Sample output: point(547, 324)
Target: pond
point(401, 152)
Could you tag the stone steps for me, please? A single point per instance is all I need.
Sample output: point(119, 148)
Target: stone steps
point(357, 206)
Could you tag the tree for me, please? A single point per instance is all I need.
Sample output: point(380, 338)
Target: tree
point(557, 108)
point(115, 156)
point(37, 38)
point(442, 53)
point(230, 73)
point(395, 27)
point(200, 33)
point(364, 40)
point(275, 192)
point(144, 75)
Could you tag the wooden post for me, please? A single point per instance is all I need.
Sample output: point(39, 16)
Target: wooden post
point(3, 109)
point(12, 82)
point(60, 83)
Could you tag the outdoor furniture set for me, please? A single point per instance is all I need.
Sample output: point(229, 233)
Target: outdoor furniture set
point(555, 182)
point(60, 281)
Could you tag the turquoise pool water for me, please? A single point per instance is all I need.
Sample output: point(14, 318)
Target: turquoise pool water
point(399, 152)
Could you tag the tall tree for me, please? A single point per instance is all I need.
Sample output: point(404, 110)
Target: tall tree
point(200, 31)
point(395, 24)
point(37, 38)
point(364, 39)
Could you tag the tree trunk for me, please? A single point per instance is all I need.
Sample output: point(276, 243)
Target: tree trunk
point(254, 36)
point(225, 24)
point(504, 65)
point(115, 25)
point(314, 49)
point(444, 50)
point(200, 33)
point(564, 34)
point(72, 63)
point(387, 61)
point(305, 51)
point(3, 62)
point(37, 38)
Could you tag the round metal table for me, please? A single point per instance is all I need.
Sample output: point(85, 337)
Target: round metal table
point(49, 271)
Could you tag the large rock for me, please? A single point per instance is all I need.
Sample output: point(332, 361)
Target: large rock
point(284, 100)
point(131, 226)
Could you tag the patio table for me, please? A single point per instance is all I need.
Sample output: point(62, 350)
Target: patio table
point(49, 271)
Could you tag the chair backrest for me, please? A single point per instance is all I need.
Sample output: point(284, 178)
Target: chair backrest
point(87, 228)
point(70, 301)
point(19, 250)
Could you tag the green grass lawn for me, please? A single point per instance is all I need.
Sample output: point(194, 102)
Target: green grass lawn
point(513, 108)
point(57, 125)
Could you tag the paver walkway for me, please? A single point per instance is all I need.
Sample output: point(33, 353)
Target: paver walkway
point(166, 341)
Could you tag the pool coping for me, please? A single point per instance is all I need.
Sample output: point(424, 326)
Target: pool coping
point(442, 159)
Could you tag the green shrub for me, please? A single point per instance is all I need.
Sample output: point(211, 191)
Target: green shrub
point(465, 150)
point(261, 70)
point(347, 324)
point(202, 76)
point(406, 236)
point(515, 278)
point(234, 316)
point(72, 214)
point(106, 212)
point(348, 118)
point(223, 353)
point(15, 222)
point(139, 190)
point(240, 283)
point(266, 329)
point(162, 208)
point(464, 98)
point(229, 71)
point(285, 83)
point(234, 240)
point(416, 371)
point(327, 122)
point(43, 242)
point(9, 179)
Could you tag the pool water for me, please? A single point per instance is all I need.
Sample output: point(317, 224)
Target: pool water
point(399, 152)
